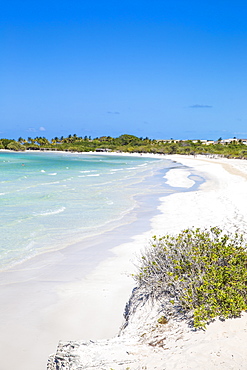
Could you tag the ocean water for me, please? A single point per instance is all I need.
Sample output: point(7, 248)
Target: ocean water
point(51, 200)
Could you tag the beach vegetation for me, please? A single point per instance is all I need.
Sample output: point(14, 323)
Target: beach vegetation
point(203, 272)
point(5, 142)
point(133, 144)
point(16, 146)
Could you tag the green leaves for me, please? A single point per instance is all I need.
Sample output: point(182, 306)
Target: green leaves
point(200, 270)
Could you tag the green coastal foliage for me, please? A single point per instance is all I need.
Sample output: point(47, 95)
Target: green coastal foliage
point(129, 144)
point(13, 145)
point(200, 271)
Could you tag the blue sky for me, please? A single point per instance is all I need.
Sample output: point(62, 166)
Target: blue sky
point(162, 69)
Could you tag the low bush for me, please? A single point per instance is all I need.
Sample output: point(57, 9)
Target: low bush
point(13, 145)
point(201, 271)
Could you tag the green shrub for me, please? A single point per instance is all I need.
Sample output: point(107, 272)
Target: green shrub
point(201, 271)
point(16, 146)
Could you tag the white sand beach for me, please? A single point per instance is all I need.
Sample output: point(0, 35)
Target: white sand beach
point(48, 299)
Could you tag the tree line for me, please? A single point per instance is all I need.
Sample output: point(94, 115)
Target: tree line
point(126, 143)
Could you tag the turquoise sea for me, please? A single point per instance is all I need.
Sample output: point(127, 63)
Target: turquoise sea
point(51, 200)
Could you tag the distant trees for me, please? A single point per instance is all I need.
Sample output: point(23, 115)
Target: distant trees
point(128, 139)
point(5, 142)
point(130, 144)
point(21, 140)
point(16, 146)
point(42, 141)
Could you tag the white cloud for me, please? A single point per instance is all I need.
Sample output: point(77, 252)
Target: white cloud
point(42, 128)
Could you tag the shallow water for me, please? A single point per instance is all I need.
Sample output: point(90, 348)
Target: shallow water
point(51, 200)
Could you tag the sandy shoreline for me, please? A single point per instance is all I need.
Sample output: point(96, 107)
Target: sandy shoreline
point(39, 309)
point(58, 294)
